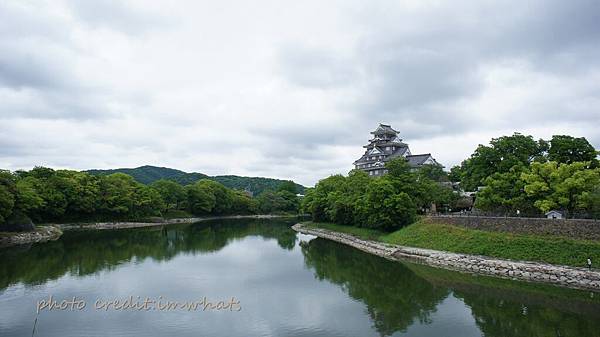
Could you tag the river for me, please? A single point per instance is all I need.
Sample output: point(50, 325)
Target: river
point(260, 278)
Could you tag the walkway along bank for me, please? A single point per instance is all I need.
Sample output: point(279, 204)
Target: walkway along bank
point(571, 277)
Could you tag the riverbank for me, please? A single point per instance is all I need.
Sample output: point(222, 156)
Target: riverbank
point(130, 224)
point(41, 234)
point(572, 277)
point(551, 249)
point(54, 231)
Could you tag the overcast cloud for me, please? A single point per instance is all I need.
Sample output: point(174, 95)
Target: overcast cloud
point(287, 89)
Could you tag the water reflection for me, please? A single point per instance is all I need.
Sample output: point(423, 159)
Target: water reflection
point(83, 253)
point(288, 287)
point(395, 298)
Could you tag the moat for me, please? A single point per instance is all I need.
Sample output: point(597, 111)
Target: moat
point(287, 284)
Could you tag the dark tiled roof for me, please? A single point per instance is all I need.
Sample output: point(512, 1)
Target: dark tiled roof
point(385, 139)
point(400, 151)
point(418, 159)
point(384, 128)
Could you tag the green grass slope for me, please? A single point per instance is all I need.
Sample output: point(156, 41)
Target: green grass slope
point(548, 249)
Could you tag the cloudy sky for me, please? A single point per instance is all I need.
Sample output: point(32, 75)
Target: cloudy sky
point(287, 89)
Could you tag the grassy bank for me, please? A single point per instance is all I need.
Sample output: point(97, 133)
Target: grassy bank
point(548, 249)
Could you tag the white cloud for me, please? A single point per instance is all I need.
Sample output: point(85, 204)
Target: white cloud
point(287, 90)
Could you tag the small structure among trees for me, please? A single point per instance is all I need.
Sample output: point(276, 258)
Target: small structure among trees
point(554, 214)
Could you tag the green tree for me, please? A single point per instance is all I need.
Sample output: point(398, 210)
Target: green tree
point(384, 208)
point(51, 187)
point(223, 195)
point(289, 186)
point(505, 193)
point(455, 174)
point(117, 192)
point(568, 150)
point(440, 194)
point(419, 185)
point(171, 192)
point(502, 154)
point(7, 202)
point(269, 202)
point(28, 200)
point(307, 202)
point(400, 170)
point(200, 199)
point(147, 201)
point(433, 172)
point(341, 208)
point(7, 195)
point(562, 186)
point(315, 200)
point(242, 203)
point(84, 199)
point(592, 200)
point(280, 201)
point(342, 205)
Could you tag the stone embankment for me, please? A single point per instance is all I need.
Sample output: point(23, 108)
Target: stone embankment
point(119, 225)
point(581, 229)
point(41, 234)
point(571, 277)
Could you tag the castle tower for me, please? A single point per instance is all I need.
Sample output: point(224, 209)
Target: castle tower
point(384, 146)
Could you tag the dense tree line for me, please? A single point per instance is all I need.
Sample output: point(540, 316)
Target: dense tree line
point(47, 195)
point(519, 173)
point(385, 203)
point(507, 152)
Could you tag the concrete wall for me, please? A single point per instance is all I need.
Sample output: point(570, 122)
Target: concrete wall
point(571, 228)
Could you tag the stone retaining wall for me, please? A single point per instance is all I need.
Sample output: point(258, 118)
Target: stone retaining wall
point(571, 277)
point(572, 228)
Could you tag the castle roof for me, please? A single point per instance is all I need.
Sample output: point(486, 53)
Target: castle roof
point(420, 159)
point(386, 145)
point(384, 129)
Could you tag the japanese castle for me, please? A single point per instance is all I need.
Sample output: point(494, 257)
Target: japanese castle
point(386, 145)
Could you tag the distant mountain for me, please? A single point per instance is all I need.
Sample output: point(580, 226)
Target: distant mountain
point(148, 174)
point(254, 184)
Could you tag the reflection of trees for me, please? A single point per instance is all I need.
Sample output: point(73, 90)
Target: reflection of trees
point(507, 308)
point(497, 317)
point(394, 295)
point(86, 252)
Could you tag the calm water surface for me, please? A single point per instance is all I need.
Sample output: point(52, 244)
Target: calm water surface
point(287, 284)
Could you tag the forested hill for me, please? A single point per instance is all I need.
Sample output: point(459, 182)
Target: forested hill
point(148, 174)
